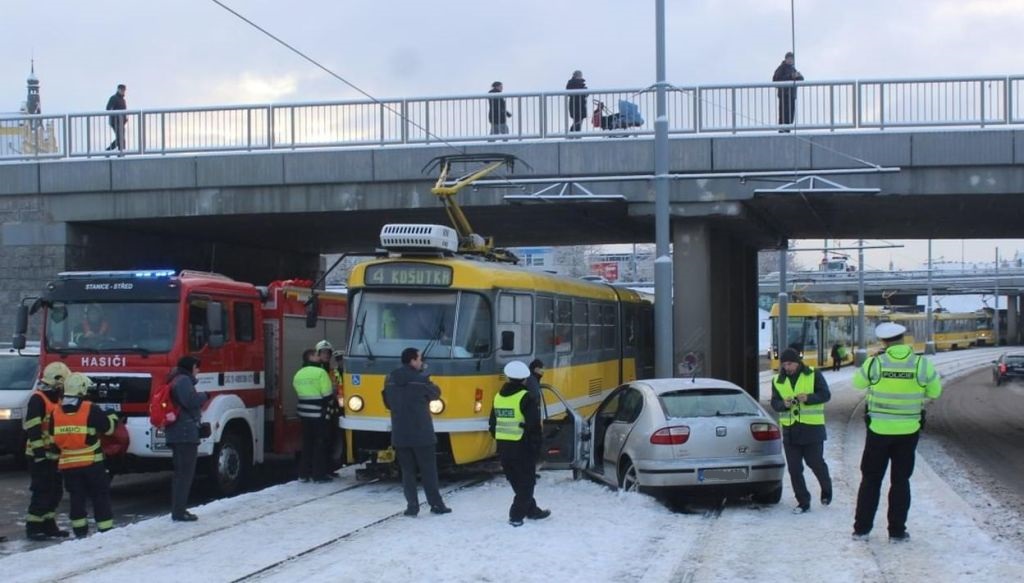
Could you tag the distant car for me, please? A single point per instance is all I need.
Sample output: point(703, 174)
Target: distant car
point(18, 374)
point(692, 435)
point(1009, 367)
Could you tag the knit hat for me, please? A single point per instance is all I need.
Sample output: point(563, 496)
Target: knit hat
point(188, 363)
point(790, 355)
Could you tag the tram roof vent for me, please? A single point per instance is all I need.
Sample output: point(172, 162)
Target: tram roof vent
point(419, 238)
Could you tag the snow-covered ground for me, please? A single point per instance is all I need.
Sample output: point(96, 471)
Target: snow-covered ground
point(349, 532)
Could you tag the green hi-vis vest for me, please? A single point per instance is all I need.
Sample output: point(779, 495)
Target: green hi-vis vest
point(802, 412)
point(508, 417)
point(896, 392)
point(312, 385)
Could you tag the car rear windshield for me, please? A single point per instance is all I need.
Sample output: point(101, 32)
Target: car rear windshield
point(708, 403)
point(1015, 359)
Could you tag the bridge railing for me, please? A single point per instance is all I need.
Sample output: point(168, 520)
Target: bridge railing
point(710, 109)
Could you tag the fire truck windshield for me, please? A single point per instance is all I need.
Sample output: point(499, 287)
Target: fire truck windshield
point(111, 326)
point(387, 322)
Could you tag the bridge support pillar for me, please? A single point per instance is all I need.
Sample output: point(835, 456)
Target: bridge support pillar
point(715, 304)
point(1012, 317)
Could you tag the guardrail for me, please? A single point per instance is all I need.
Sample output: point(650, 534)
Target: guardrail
point(827, 105)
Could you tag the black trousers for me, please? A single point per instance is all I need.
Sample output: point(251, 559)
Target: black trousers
point(47, 490)
point(879, 452)
point(787, 106)
point(425, 459)
point(184, 471)
point(118, 128)
point(313, 460)
point(811, 454)
point(89, 484)
point(520, 467)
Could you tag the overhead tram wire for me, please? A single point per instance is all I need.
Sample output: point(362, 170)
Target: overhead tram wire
point(324, 68)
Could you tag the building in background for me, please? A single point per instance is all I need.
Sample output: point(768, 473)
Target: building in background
point(21, 137)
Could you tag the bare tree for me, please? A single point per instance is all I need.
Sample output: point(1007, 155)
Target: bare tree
point(768, 262)
point(574, 261)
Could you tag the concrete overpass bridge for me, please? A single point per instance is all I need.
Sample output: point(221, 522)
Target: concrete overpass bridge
point(267, 207)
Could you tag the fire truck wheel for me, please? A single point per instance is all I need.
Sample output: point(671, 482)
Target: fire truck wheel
point(231, 463)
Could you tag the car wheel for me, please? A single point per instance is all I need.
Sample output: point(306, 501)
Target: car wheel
point(773, 496)
point(629, 480)
point(230, 464)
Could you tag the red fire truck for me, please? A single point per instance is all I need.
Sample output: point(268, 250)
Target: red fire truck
point(127, 329)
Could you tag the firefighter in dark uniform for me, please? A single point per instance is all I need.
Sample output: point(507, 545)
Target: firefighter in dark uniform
point(515, 425)
point(898, 383)
point(47, 489)
point(77, 427)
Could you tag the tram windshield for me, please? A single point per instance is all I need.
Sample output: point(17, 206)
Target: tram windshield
point(111, 327)
point(446, 324)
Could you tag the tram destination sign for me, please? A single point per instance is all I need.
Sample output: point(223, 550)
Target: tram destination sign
point(409, 274)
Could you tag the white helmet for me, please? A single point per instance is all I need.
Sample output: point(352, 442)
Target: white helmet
point(517, 370)
point(55, 373)
point(324, 345)
point(889, 330)
point(77, 385)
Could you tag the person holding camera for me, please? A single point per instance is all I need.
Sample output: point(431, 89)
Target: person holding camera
point(184, 433)
point(799, 394)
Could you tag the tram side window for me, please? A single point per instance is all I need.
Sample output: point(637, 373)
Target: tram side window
point(545, 329)
point(608, 328)
point(563, 327)
point(580, 333)
point(595, 326)
point(629, 317)
point(198, 333)
point(515, 316)
point(244, 322)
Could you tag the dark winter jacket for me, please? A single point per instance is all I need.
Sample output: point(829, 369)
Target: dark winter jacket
point(185, 428)
point(787, 72)
point(577, 103)
point(801, 433)
point(496, 109)
point(530, 407)
point(117, 101)
point(407, 394)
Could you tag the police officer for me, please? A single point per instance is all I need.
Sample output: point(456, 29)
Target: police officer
point(46, 486)
point(515, 424)
point(799, 394)
point(314, 390)
point(77, 425)
point(898, 382)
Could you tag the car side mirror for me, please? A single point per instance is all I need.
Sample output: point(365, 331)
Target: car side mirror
point(312, 310)
point(214, 323)
point(20, 328)
point(508, 340)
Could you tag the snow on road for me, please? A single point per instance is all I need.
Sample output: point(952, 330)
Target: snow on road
point(594, 534)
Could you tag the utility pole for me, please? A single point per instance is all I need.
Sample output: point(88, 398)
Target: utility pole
point(861, 354)
point(929, 332)
point(664, 347)
point(783, 321)
point(995, 317)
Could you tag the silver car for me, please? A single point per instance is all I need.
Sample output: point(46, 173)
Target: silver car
point(674, 434)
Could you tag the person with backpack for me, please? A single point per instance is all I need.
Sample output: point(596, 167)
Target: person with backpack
point(183, 434)
point(77, 427)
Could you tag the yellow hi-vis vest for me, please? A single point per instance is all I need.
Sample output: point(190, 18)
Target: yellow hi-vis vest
point(800, 412)
point(898, 381)
point(312, 386)
point(508, 417)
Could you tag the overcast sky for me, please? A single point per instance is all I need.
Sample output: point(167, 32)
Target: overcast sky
point(174, 53)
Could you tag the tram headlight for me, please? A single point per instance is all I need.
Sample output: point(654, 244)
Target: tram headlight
point(355, 403)
point(437, 406)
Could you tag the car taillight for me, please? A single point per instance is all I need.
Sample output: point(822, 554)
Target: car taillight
point(1002, 368)
point(765, 431)
point(671, 435)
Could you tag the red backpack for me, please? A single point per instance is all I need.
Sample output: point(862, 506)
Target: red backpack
point(162, 409)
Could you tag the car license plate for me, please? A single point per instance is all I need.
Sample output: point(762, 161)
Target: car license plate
point(386, 456)
point(721, 474)
point(158, 441)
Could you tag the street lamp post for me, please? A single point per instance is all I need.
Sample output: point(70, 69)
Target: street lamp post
point(782, 334)
point(861, 354)
point(995, 317)
point(664, 347)
point(929, 332)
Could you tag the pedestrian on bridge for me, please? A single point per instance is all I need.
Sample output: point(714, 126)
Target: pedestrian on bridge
point(118, 122)
point(799, 394)
point(46, 483)
point(577, 102)
point(898, 382)
point(786, 71)
point(407, 393)
point(497, 112)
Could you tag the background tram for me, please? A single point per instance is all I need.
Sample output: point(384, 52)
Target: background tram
point(816, 328)
point(469, 318)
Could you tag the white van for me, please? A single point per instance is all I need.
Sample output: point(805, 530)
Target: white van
point(18, 374)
